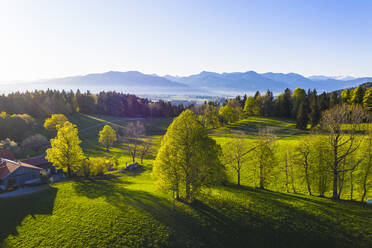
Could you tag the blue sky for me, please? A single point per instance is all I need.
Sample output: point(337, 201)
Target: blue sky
point(46, 39)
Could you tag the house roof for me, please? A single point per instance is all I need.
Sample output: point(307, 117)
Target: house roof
point(8, 166)
point(8, 154)
point(39, 160)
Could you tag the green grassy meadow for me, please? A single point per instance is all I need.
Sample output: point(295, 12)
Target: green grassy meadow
point(127, 210)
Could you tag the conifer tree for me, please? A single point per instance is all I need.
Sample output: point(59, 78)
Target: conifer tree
point(367, 99)
point(302, 116)
point(357, 95)
point(314, 115)
point(345, 96)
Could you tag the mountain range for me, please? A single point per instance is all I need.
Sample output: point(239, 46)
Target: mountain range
point(204, 83)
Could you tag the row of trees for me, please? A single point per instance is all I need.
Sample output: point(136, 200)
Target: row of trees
point(325, 161)
point(133, 139)
point(41, 104)
point(16, 127)
point(304, 107)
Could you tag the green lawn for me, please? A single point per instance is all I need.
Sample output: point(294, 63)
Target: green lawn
point(127, 210)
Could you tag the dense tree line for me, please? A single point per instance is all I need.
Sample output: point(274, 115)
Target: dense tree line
point(41, 104)
point(304, 107)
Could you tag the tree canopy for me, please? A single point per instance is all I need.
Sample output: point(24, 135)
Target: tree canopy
point(107, 136)
point(54, 122)
point(66, 151)
point(188, 158)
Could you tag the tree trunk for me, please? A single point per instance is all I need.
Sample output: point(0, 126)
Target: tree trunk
point(365, 181)
point(188, 195)
point(292, 180)
point(69, 170)
point(238, 177)
point(261, 177)
point(307, 181)
point(341, 181)
point(177, 192)
point(351, 185)
point(286, 173)
point(335, 175)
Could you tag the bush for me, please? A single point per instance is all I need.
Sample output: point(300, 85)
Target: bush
point(35, 142)
point(7, 144)
point(92, 167)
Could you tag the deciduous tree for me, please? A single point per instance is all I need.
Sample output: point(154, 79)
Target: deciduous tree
point(188, 159)
point(107, 136)
point(264, 154)
point(66, 151)
point(343, 140)
point(134, 131)
point(54, 122)
point(235, 154)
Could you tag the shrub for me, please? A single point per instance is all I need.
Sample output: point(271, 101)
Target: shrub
point(35, 142)
point(92, 167)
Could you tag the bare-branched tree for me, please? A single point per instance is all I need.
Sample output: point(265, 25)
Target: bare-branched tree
point(235, 154)
point(144, 148)
point(342, 124)
point(134, 132)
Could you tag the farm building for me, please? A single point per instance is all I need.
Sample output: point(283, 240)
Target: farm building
point(15, 174)
point(40, 161)
point(7, 154)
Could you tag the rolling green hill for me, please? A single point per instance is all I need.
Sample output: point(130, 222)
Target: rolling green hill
point(127, 210)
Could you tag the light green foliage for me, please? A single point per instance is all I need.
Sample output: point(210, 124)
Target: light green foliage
point(93, 167)
point(235, 155)
point(188, 158)
point(265, 156)
point(299, 96)
point(250, 106)
point(229, 114)
point(209, 118)
point(364, 172)
point(66, 151)
point(320, 164)
point(345, 96)
point(126, 210)
point(357, 95)
point(367, 100)
point(16, 126)
point(54, 122)
point(107, 136)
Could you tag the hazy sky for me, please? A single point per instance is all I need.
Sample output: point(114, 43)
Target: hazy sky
point(46, 39)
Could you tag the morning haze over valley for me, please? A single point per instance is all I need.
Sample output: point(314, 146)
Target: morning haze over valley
point(185, 123)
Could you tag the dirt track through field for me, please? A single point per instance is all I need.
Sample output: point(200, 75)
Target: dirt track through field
point(109, 122)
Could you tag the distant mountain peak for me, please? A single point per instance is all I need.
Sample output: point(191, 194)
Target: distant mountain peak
point(206, 83)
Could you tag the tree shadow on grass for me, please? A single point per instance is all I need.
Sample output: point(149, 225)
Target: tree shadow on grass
point(268, 219)
point(318, 221)
point(37, 203)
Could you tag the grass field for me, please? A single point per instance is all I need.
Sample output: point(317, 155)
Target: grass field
point(127, 210)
